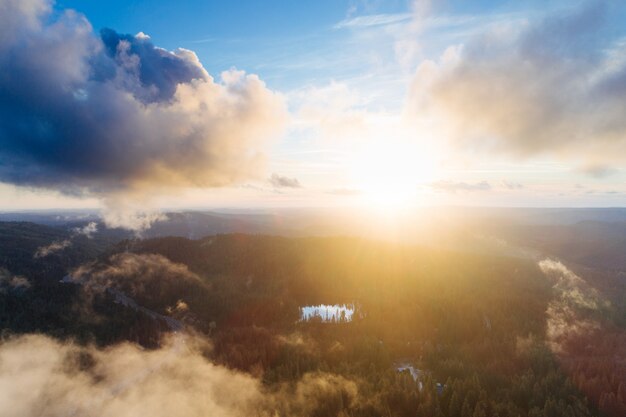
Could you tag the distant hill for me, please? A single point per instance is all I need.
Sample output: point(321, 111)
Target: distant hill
point(474, 321)
point(20, 242)
point(591, 237)
point(195, 225)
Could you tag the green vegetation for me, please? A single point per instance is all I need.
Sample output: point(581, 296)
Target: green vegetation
point(473, 324)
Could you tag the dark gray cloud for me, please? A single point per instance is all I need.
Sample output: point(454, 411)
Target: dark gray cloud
point(112, 113)
point(551, 85)
point(455, 186)
point(159, 71)
point(280, 181)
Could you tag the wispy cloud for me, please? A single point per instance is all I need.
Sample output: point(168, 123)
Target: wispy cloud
point(574, 296)
point(204, 40)
point(460, 186)
point(53, 247)
point(373, 20)
point(598, 170)
point(511, 185)
point(345, 191)
point(58, 245)
point(9, 282)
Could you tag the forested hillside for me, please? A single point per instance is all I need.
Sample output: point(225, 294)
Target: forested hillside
point(473, 326)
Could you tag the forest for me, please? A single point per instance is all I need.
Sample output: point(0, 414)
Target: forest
point(474, 326)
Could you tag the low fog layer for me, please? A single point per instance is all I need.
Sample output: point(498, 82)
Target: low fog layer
point(573, 296)
point(41, 376)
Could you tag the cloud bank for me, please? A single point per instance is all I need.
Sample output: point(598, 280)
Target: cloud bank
point(550, 86)
point(113, 114)
point(41, 376)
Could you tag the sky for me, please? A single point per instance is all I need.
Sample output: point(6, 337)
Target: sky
point(137, 105)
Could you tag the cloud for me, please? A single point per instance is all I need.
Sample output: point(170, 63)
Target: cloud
point(151, 280)
point(319, 394)
point(573, 296)
point(408, 45)
point(280, 181)
point(598, 170)
point(129, 213)
point(10, 282)
point(511, 185)
point(141, 35)
point(41, 376)
point(113, 114)
point(180, 308)
point(87, 230)
point(572, 288)
point(57, 246)
point(335, 110)
point(454, 186)
point(553, 86)
point(122, 268)
point(54, 247)
point(373, 20)
point(338, 118)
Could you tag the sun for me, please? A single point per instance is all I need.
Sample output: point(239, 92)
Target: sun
point(390, 173)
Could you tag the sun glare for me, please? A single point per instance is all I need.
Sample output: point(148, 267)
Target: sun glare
point(390, 174)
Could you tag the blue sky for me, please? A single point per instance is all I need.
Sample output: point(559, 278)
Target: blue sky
point(289, 44)
point(371, 117)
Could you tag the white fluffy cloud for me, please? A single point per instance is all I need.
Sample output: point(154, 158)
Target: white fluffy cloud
point(553, 86)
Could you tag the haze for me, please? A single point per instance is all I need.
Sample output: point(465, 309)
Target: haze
point(333, 208)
